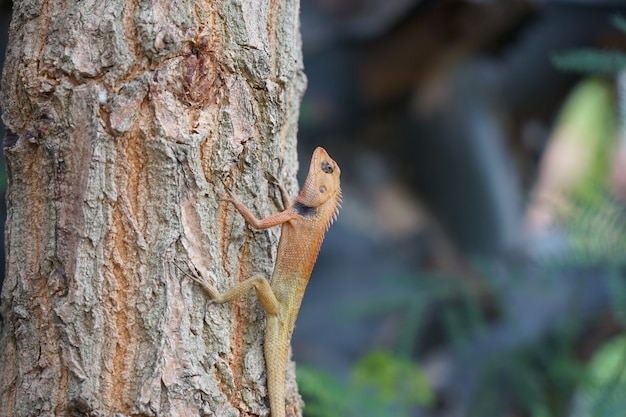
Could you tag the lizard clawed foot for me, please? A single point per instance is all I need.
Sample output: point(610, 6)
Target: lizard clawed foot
point(232, 197)
point(283, 191)
point(199, 279)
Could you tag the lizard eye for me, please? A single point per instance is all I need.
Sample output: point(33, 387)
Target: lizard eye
point(322, 189)
point(327, 167)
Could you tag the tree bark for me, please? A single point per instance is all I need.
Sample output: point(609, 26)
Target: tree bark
point(124, 118)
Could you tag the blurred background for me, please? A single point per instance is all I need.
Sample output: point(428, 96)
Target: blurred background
point(477, 266)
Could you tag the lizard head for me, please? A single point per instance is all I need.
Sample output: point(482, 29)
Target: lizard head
point(322, 183)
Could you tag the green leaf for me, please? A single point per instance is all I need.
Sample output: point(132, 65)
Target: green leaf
point(591, 61)
point(604, 395)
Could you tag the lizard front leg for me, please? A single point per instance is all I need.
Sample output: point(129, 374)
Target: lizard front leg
point(270, 221)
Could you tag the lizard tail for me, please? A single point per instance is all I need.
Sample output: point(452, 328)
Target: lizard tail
point(276, 354)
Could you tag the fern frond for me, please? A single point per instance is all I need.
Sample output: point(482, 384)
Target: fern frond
point(597, 231)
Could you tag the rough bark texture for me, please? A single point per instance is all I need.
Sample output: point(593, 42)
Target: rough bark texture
point(123, 117)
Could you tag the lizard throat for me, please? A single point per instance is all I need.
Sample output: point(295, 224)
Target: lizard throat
point(304, 210)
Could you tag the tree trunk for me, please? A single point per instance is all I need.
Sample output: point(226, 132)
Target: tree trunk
point(124, 118)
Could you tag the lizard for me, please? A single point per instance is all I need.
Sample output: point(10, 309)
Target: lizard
point(303, 226)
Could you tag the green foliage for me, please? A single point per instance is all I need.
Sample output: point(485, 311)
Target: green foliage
point(593, 221)
point(380, 384)
point(587, 123)
point(325, 394)
point(593, 61)
point(596, 230)
point(538, 379)
point(603, 394)
point(392, 380)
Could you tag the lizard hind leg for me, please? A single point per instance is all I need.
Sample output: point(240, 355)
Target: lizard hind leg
point(260, 284)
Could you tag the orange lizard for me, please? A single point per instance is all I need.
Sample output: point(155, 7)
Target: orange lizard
point(304, 224)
